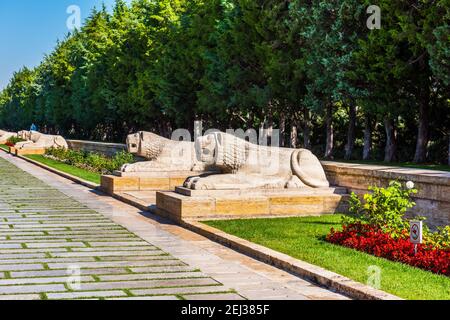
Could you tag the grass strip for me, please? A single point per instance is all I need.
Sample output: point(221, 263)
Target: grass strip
point(304, 238)
point(77, 172)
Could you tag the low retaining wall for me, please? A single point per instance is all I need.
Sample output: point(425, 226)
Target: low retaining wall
point(433, 198)
point(109, 149)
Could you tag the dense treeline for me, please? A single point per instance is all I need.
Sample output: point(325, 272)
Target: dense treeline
point(311, 68)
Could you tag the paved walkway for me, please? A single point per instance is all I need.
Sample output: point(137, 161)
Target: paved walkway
point(59, 240)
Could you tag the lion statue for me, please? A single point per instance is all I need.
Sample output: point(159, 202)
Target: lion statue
point(24, 135)
point(161, 154)
point(37, 140)
point(5, 135)
point(244, 165)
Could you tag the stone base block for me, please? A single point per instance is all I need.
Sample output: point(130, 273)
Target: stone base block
point(24, 152)
point(155, 182)
point(237, 204)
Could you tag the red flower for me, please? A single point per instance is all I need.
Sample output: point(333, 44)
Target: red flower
point(369, 239)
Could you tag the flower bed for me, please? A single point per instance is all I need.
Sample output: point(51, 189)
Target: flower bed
point(372, 240)
point(378, 226)
point(90, 161)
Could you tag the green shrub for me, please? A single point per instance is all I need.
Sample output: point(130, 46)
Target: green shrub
point(14, 140)
point(438, 239)
point(384, 208)
point(91, 161)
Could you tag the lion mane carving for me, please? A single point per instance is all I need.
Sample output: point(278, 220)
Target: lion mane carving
point(244, 165)
point(162, 154)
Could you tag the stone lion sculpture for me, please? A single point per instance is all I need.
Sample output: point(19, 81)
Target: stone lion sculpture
point(24, 135)
point(5, 135)
point(244, 165)
point(162, 154)
point(37, 140)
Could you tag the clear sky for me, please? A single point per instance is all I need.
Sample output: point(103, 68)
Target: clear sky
point(30, 28)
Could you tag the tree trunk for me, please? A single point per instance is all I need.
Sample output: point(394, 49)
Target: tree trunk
point(270, 130)
point(422, 134)
point(449, 148)
point(306, 129)
point(330, 133)
point(282, 130)
point(266, 131)
point(351, 132)
point(294, 135)
point(367, 138)
point(391, 140)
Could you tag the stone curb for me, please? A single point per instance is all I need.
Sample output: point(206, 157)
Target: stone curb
point(282, 261)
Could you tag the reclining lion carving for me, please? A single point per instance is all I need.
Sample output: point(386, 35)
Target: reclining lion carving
point(245, 165)
point(162, 154)
point(37, 140)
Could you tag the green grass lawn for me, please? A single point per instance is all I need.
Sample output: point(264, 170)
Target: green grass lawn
point(77, 172)
point(439, 167)
point(303, 238)
point(4, 147)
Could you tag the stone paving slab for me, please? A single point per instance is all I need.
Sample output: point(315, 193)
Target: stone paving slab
point(25, 297)
point(40, 288)
point(54, 247)
point(214, 296)
point(153, 298)
point(130, 254)
point(84, 294)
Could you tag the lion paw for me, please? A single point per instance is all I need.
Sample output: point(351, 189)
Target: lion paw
point(128, 168)
point(295, 183)
point(201, 185)
point(190, 181)
point(197, 183)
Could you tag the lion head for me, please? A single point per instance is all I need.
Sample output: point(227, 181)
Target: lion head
point(145, 144)
point(25, 135)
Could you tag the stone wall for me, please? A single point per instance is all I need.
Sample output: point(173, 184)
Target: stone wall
point(433, 198)
point(109, 149)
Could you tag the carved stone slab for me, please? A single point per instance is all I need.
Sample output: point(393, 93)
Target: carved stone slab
point(235, 205)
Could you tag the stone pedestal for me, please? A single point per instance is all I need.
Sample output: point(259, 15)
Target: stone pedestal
point(30, 151)
point(151, 181)
point(198, 204)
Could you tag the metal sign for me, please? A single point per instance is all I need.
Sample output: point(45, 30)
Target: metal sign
point(416, 232)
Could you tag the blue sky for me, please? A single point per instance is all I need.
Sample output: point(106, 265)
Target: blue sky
point(30, 28)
